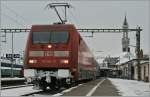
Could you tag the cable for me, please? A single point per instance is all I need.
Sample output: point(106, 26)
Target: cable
point(12, 19)
point(74, 16)
point(16, 15)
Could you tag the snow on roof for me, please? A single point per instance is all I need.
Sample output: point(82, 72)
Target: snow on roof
point(124, 57)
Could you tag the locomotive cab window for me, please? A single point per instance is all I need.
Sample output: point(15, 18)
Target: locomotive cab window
point(40, 37)
point(50, 37)
point(59, 37)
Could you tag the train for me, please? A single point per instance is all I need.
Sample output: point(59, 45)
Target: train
point(57, 56)
point(6, 70)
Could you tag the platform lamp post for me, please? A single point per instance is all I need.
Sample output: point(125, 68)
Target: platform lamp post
point(138, 52)
point(0, 58)
point(0, 49)
point(12, 57)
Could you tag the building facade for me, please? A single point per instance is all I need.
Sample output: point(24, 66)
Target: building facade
point(130, 69)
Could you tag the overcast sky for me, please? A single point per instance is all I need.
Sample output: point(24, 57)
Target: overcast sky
point(85, 14)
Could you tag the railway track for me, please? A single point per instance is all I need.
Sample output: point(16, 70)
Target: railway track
point(59, 92)
point(27, 90)
point(6, 82)
point(32, 94)
point(50, 92)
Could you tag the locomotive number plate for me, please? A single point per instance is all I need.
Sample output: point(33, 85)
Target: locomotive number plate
point(48, 53)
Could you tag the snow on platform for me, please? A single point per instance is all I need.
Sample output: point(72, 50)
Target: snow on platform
point(11, 79)
point(18, 91)
point(131, 87)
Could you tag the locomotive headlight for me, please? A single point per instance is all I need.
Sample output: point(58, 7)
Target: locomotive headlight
point(32, 61)
point(49, 46)
point(65, 61)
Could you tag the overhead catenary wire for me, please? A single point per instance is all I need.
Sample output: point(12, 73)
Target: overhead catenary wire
point(15, 13)
point(16, 22)
point(76, 16)
point(17, 18)
point(75, 19)
point(13, 20)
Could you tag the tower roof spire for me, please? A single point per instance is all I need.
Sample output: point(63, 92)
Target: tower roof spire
point(125, 21)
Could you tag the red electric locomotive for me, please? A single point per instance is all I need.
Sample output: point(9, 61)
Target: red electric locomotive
point(57, 56)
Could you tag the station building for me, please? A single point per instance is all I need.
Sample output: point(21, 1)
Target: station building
point(129, 69)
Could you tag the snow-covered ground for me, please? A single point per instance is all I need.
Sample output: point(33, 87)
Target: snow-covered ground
point(11, 79)
point(131, 87)
point(18, 91)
